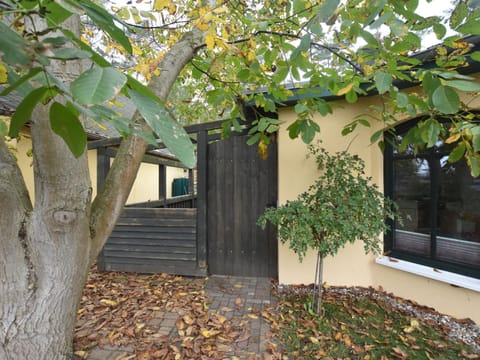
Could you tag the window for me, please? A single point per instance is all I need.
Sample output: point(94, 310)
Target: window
point(440, 206)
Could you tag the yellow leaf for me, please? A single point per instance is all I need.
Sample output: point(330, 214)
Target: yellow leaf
point(314, 340)
point(252, 316)
point(202, 26)
point(209, 333)
point(207, 17)
point(367, 69)
point(109, 302)
point(210, 41)
point(3, 74)
point(262, 150)
point(347, 340)
point(345, 89)
point(172, 9)
point(160, 4)
point(452, 138)
point(220, 9)
point(414, 323)
point(80, 353)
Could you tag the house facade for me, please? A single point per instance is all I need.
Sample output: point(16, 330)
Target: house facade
point(434, 257)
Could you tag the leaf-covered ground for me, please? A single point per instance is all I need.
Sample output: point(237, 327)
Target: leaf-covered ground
point(168, 317)
point(361, 323)
point(153, 317)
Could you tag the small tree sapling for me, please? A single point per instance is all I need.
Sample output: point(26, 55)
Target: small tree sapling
point(342, 206)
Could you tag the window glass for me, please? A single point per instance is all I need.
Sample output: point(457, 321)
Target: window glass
point(412, 194)
point(439, 203)
point(458, 234)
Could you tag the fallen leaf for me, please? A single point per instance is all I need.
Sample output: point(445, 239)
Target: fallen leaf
point(209, 333)
point(109, 302)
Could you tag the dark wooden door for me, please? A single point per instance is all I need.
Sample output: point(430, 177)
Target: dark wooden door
point(240, 186)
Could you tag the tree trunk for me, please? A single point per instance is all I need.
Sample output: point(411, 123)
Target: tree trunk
point(46, 250)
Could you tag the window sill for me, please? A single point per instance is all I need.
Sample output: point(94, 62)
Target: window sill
point(431, 273)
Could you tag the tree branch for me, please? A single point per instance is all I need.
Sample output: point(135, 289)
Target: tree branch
point(298, 37)
point(110, 200)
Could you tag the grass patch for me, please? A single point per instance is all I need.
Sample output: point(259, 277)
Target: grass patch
point(360, 325)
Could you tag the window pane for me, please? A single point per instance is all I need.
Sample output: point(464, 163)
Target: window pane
point(413, 196)
point(458, 214)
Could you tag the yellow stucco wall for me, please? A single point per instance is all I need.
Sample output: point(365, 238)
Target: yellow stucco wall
point(145, 187)
point(351, 266)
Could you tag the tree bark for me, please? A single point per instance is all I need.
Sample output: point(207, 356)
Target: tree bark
point(46, 250)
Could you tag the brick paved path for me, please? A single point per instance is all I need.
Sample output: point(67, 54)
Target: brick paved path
point(248, 296)
point(237, 298)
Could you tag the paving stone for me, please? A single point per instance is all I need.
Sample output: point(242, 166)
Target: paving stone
point(223, 292)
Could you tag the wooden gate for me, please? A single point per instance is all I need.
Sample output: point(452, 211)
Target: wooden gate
point(214, 228)
point(240, 186)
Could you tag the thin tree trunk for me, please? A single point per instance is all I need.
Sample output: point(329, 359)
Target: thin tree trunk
point(110, 200)
point(318, 287)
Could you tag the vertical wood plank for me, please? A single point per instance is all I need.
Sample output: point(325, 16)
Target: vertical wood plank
point(202, 165)
point(103, 166)
point(162, 182)
point(191, 182)
point(228, 205)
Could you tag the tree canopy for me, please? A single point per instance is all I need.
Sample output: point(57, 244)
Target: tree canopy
point(256, 52)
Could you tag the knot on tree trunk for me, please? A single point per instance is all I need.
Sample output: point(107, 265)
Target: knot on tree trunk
point(64, 217)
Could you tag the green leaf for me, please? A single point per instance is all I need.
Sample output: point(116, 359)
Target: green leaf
point(56, 14)
point(446, 100)
point(98, 85)
point(65, 124)
point(13, 48)
point(303, 46)
point(136, 85)
point(294, 129)
point(457, 153)
point(462, 85)
point(383, 81)
point(32, 72)
point(68, 53)
point(439, 30)
point(474, 162)
point(24, 110)
point(471, 27)
point(458, 14)
point(351, 97)
point(402, 100)
point(309, 130)
point(326, 9)
point(476, 143)
point(430, 131)
point(96, 58)
point(170, 132)
point(475, 56)
point(376, 135)
point(106, 22)
point(3, 128)
point(430, 83)
point(253, 139)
